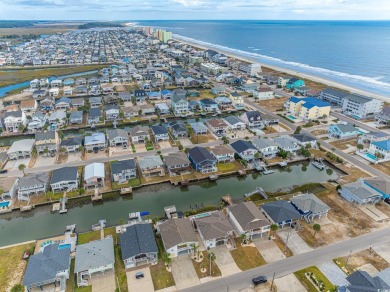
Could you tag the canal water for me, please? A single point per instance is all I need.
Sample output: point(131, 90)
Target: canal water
point(41, 223)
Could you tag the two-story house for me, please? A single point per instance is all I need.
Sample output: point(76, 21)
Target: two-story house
point(96, 142)
point(14, 121)
point(177, 163)
point(179, 105)
point(202, 160)
point(123, 170)
point(252, 119)
point(244, 149)
point(160, 133)
point(151, 166)
point(117, 137)
point(47, 140)
point(94, 175)
point(139, 134)
point(223, 153)
point(64, 179)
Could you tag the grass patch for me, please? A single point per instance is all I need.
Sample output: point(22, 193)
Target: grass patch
point(12, 265)
point(88, 236)
point(120, 271)
point(340, 262)
point(200, 139)
point(306, 188)
point(160, 276)
point(70, 282)
point(215, 271)
point(247, 257)
point(301, 275)
point(228, 167)
point(83, 289)
point(282, 246)
point(134, 182)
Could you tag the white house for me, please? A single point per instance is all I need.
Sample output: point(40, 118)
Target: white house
point(359, 106)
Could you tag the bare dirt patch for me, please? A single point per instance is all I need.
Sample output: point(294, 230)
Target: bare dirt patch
point(273, 105)
point(367, 256)
point(344, 145)
point(384, 167)
point(383, 207)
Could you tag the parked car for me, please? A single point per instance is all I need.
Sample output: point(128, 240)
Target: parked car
point(139, 275)
point(259, 280)
point(3, 171)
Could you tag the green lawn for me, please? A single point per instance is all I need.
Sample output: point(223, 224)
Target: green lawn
point(318, 275)
point(215, 271)
point(340, 262)
point(70, 282)
point(88, 236)
point(227, 167)
point(83, 289)
point(246, 257)
point(160, 276)
point(131, 183)
point(11, 263)
point(120, 271)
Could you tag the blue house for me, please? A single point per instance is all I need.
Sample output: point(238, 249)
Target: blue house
point(68, 82)
point(166, 94)
point(208, 105)
point(244, 149)
point(379, 184)
point(343, 131)
point(294, 83)
point(202, 160)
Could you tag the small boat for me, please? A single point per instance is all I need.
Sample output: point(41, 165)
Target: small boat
point(268, 172)
point(318, 164)
point(282, 164)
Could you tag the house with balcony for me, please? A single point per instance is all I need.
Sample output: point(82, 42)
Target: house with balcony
point(151, 166)
point(147, 109)
point(305, 140)
point(47, 104)
point(343, 131)
point(130, 112)
point(202, 160)
point(96, 142)
point(178, 236)
point(234, 123)
point(95, 116)
point(31, 184)
point(138, 246)
point(266, 147)
point(247, 219)
point(334, 96)
point(199, 128)
point(244, 149)
point(307, 108)
point(124, 170)
point(95, 101)
point(281, 213)
point(179, 105)
point(360, 107)
point(57, 119)
point(237, 100)
point(178, 129)
point(28, 106)
point(310, 206)
point(64, 179)
point(160, 133)
point(12, 120)
point(112, 112)
point(140, 95)
point(287, 143)
point(76, 118)
point(380, 149)
point(47, 140)
point(117, 137)
point(209, 105)
point(63, 103)
point(94, 176)
point(177, 163)
point(223, 153)
point(139, 134)
point(252, 119)
point(294, 83)
point(72, 144)
point(217, 126)
point(21, 149)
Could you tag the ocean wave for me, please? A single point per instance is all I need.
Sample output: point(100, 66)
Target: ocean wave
point(296, 66)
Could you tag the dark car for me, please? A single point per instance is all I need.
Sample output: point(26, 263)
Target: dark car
point(3, 171)
point(259, 280)
point(139, 275)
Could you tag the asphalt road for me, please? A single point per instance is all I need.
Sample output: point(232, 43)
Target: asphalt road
point(287, 266)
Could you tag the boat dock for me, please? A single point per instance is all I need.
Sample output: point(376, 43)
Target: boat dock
point(213, 177)
point(96, 196)
point(318, 164)
point(258, 190)
point(99, 226)
point(282, 164)
point(63, 202)
point(125, 191)
point(227, 200)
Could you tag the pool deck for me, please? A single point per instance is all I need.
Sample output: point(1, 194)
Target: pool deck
point(40, 241)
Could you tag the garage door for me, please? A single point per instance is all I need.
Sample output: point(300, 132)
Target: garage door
point(183, 252)
point(221, 242)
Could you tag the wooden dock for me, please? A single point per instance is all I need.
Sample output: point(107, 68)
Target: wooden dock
point(227, 200)
point(56, 207)
point(258, 190)
point(125, 191)
point(96, 196)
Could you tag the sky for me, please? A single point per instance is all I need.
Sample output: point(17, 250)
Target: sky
point(194, 9)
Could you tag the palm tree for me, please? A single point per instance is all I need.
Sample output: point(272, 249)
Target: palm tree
point(212, 258)
point(316, 227)
point(274, 227)
point(166, 259)
point(243, 238)
point(22, 168)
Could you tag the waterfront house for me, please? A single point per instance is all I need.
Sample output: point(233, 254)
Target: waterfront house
point(95, 101)
point(47, 140)
point(81, 90)
point(68, 82)
point(78, 102)
point(34, 84)
point(223, 102)
point(199, 128)
point(50, 266)
point(68, 91)
point(223, 153)
point(13, 120)
point(123, 170)
point(252, 119)
point(53, 92)
point(166, 94)
point(294, 83)
point(307, 108)
point(64, 179)
point(162, 108)
point(138, 245)
point(342, 131)
point(244, 149)
point(57, 119)
point(266, 147)
point(117, 137)
point(21, 149)
point(112, 112)
point(147, 109)
point(202, 160)
point(160, 133)
point(76, 118)
point(140, 95)
point(124, 96)
point(95, 142)
point(217, 126)
point(178, 129)
point(209, 105)
point(37, 122)
point(40, 93)
point(154, 95)
point(237, 100)
point(214, 228)
point(28, 106)
point(178, 236)
point(359, 106)
point(288, 144)
point(333, 96)
point(234, 123)
point(56, 83)
point(130, 112)
point(179, 105)
point(310, 206)
point(47, 104)
point(360, 193)
point(282, 81)
point(72, 144)
point(177, 163)
point(93, 257)
point(63, 103)
point(379, 184)
point(151, 166)
point(219, 89)
point(31, 184)
point(94, 175)
point(95, 116)
point(305, 140)
point(247, 219)
point(384, 116)
point(381, 149)
point(139, 134)
point(281, 213)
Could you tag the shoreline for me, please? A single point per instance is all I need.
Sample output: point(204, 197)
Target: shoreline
point(321, 80)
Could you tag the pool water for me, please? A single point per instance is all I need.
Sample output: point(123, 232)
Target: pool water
point(371, 156)
point(5, 204)
point(292, 117)
point(63, 246)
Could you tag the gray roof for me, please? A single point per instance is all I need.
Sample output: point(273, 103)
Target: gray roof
point(303, 137)
point(72, 141)
point(253, 116)
point(137, 239)
point(95, 112)
point(173, 159)
point(94, 254)
point(64, 174)
point(280, 211)
point(361, 281)
point(76, 115)
point(177, 231)
point(385, 275)
point(139, 130)
point(200, 154)
point(44, 135)
point(16, 114)
point(309, 202)
point(119, 166)
point(111, 134)
point(358, 98)
point(248, 215)
point(264, 143)
point(33, 179)
point(241, 146)
point(335, 92)
point(159, 130)
point(232, 120)
point(214, 226)
point(44, 266)
point(361, 190)
point(21, 145)
point(381, 184)
point(285, 141)
point(150, 161)
point(346, 128)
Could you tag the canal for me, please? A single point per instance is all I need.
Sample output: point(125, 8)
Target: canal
point(41, 223)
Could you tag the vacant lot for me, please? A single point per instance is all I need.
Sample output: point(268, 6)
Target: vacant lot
point(344, 145)
point(384, 167)
point(12, 265)
point(273, 105)
point(199, 139)
point(359, 259)
point(247, 257)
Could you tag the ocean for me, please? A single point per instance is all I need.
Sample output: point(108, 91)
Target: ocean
point(354, 53)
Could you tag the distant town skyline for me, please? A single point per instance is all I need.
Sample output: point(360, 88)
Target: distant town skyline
point(195, 9)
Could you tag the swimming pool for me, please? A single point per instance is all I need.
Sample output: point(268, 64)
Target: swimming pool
point(292, 117)
point(63, 246)
point(5, 204)
point(370, 156)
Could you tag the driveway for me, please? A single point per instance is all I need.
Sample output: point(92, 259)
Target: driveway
point(184, 273)
point(164, 144)
point(289, 283)
point(383, 251)
point(334, 274)
point(14, 164)
point(269, 250)
point(295, 243)
point(374, 213)
point(103, 282)
point(144, 284)
point(45, 161)
point(185, 142)
point(225, 261)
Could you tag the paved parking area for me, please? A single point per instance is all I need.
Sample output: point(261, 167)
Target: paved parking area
point(295, 243)
point(139, 148)
point(45, 161)
point(384, 251)
point(374, 213)
point(14, 164)
point(103, 282)
point(184, 273)
point(225, 261)
point(144, 284)
point(369, 268)
point(185, 142)
point(269, 250)
point(164, 144)
point(334, 274)
point(289, 283)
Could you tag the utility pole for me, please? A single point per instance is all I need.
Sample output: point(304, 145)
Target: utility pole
point(346, 262)
point(288, 237)
point(272, 283)
point(210, 262)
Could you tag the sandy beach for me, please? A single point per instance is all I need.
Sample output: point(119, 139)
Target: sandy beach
point(290, 72)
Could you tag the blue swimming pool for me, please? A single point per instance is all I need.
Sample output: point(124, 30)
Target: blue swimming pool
point(5, 204)
point(370, 156)
point(292, 117)
point(63, 246)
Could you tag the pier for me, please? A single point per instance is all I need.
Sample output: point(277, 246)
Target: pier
point(96, 196)
point(258, 190)
point(227, 200)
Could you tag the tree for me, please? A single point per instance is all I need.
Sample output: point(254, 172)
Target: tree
point(62, 149)
point(257, 155)
point(316, 227)
point(17, 288)
point(60, 134)
point(298, 130)
point(46, 151)
point(243, 238)
point(212, 258)
point(360, 147)
point(166, 259)
point(283, 154)
point(329, 171)
point(274, 227)
point(21, 128)
point(22, 167)
point(181, 147)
